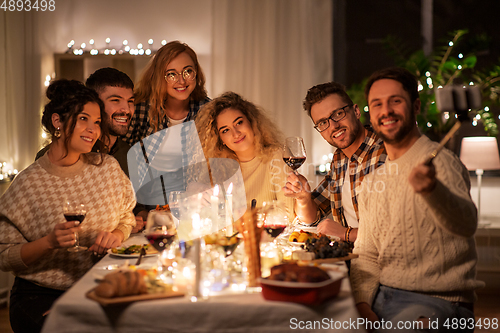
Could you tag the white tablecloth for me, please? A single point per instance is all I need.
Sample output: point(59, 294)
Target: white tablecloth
point(73, 312)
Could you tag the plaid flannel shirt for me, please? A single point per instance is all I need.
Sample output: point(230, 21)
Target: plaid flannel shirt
point(370, 155)
point(140, 126)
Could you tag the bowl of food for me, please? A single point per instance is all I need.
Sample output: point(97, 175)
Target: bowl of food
point(308, 285)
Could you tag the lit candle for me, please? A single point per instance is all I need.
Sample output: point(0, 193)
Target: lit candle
point(196, 233)
point(229, 210)
point(215, 208)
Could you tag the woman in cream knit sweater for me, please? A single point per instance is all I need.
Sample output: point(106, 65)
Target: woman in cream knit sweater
point(34, 235)
point(231, 127)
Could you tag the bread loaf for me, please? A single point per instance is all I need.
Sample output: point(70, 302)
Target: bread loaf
point(118, 284)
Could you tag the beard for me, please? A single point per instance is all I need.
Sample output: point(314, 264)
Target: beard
point(117, 130)
point(407, 125)
point(353, 133)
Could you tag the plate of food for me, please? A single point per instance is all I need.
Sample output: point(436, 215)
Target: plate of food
point(132, 251)
point(301, 284)
point(326, 250)
point(121, 287)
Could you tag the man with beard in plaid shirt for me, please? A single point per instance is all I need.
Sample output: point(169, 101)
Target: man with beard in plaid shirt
point(359, 152)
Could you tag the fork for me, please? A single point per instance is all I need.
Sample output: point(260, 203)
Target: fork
point(141, 254)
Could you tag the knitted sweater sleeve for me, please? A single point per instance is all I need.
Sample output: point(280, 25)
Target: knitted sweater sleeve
point(365, 271)
point(126, 218)
point(450, 201)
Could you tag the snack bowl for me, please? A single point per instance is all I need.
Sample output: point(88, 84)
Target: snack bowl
point(308, 293)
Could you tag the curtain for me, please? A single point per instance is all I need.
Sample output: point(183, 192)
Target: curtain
point(20, 88)
point(271, 52)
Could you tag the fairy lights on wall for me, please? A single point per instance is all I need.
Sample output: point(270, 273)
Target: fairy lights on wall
point(125, 48)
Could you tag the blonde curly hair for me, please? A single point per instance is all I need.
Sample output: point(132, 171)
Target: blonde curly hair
point(268, 138)
point(151, 85)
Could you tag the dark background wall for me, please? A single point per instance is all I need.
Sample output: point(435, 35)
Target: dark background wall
point(367, 22)
point(360, 26)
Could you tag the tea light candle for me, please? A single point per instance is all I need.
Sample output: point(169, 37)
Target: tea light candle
point(214, 203)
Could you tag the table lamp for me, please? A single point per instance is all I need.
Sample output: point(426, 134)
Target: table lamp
point(480, 153)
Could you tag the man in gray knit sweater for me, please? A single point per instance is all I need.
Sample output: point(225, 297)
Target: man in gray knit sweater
point(417, 256)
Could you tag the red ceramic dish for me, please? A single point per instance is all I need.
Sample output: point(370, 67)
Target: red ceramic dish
point(300, 292)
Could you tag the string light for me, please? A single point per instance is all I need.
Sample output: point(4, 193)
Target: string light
point(125, 48)
point(460, 55)
point(7, 172)
point(366, 108)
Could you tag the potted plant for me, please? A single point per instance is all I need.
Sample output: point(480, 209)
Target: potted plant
point(446, 65)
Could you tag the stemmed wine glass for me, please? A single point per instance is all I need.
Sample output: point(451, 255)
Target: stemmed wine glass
point(74, 211)
point(294, 152)
point(174, 198)
point(160, 232)
point(275, 218)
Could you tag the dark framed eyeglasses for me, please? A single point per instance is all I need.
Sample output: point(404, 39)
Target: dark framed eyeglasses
point(336, 115)
point(189, 74)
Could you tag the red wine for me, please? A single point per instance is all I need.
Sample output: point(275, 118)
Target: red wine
point(159, 241)
point(74, 217)
point(274, 230)
point(294, 162)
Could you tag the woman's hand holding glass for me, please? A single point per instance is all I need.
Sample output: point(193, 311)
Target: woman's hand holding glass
point(63, 235)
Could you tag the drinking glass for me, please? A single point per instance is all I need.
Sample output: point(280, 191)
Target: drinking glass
point(274, 218)
point(174, 198)
point(160, 232)
point(75, 211)
point(294, 152)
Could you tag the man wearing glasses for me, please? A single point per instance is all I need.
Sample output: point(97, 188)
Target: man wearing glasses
point(359, 152)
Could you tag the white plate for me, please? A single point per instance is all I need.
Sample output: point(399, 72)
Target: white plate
point(114, 267)
point(132, 255)
point(296, 243)
point(306, 229)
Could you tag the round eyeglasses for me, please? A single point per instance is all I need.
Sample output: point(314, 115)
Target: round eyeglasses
point(336, 115)
point(188, 74)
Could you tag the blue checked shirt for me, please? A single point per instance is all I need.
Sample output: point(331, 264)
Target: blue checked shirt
point(328, 194)
point(140, 126)
point(141, 130)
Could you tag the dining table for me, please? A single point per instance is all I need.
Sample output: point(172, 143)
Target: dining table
point(230, 313)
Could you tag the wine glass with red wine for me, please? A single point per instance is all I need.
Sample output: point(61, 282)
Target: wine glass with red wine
point(160, 231)
point(74, 211)
point(294, 152)
point(275, 218)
